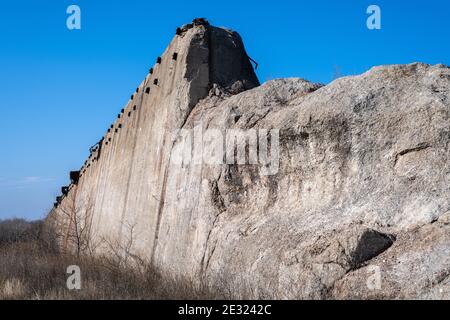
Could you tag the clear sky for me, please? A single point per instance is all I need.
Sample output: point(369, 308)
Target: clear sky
point(60, 88)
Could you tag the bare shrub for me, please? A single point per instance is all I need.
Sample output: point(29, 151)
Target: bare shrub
point(77, 218)
point(15, 230)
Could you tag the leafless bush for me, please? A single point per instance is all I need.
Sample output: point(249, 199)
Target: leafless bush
point(15, 230)
point(77, 219)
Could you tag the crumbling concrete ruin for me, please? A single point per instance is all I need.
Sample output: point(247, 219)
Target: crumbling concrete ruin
point(363, 183)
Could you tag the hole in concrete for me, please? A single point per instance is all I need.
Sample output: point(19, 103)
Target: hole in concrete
point(147, 90)
point(155, 82)
point(74, 176)
point(175, 56)
point(158, 60)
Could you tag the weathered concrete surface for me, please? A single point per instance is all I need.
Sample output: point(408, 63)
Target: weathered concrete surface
point(363, 182)
point(126, 186)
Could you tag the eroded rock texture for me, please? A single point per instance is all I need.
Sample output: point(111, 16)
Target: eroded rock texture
point(362, 181)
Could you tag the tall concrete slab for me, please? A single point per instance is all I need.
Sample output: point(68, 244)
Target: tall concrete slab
point(122, 190)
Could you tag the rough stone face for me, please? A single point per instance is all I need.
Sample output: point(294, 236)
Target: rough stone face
point(417, 266)
point(362, 182)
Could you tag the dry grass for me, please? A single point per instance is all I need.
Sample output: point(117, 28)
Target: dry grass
point(32, 268)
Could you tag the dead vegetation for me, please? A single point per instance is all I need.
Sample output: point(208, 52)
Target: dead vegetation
point(32, 267)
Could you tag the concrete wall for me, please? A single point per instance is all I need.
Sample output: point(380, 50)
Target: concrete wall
point(121, 193)
point(363, 179)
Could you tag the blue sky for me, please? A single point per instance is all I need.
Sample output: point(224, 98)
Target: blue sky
point(60, 89)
